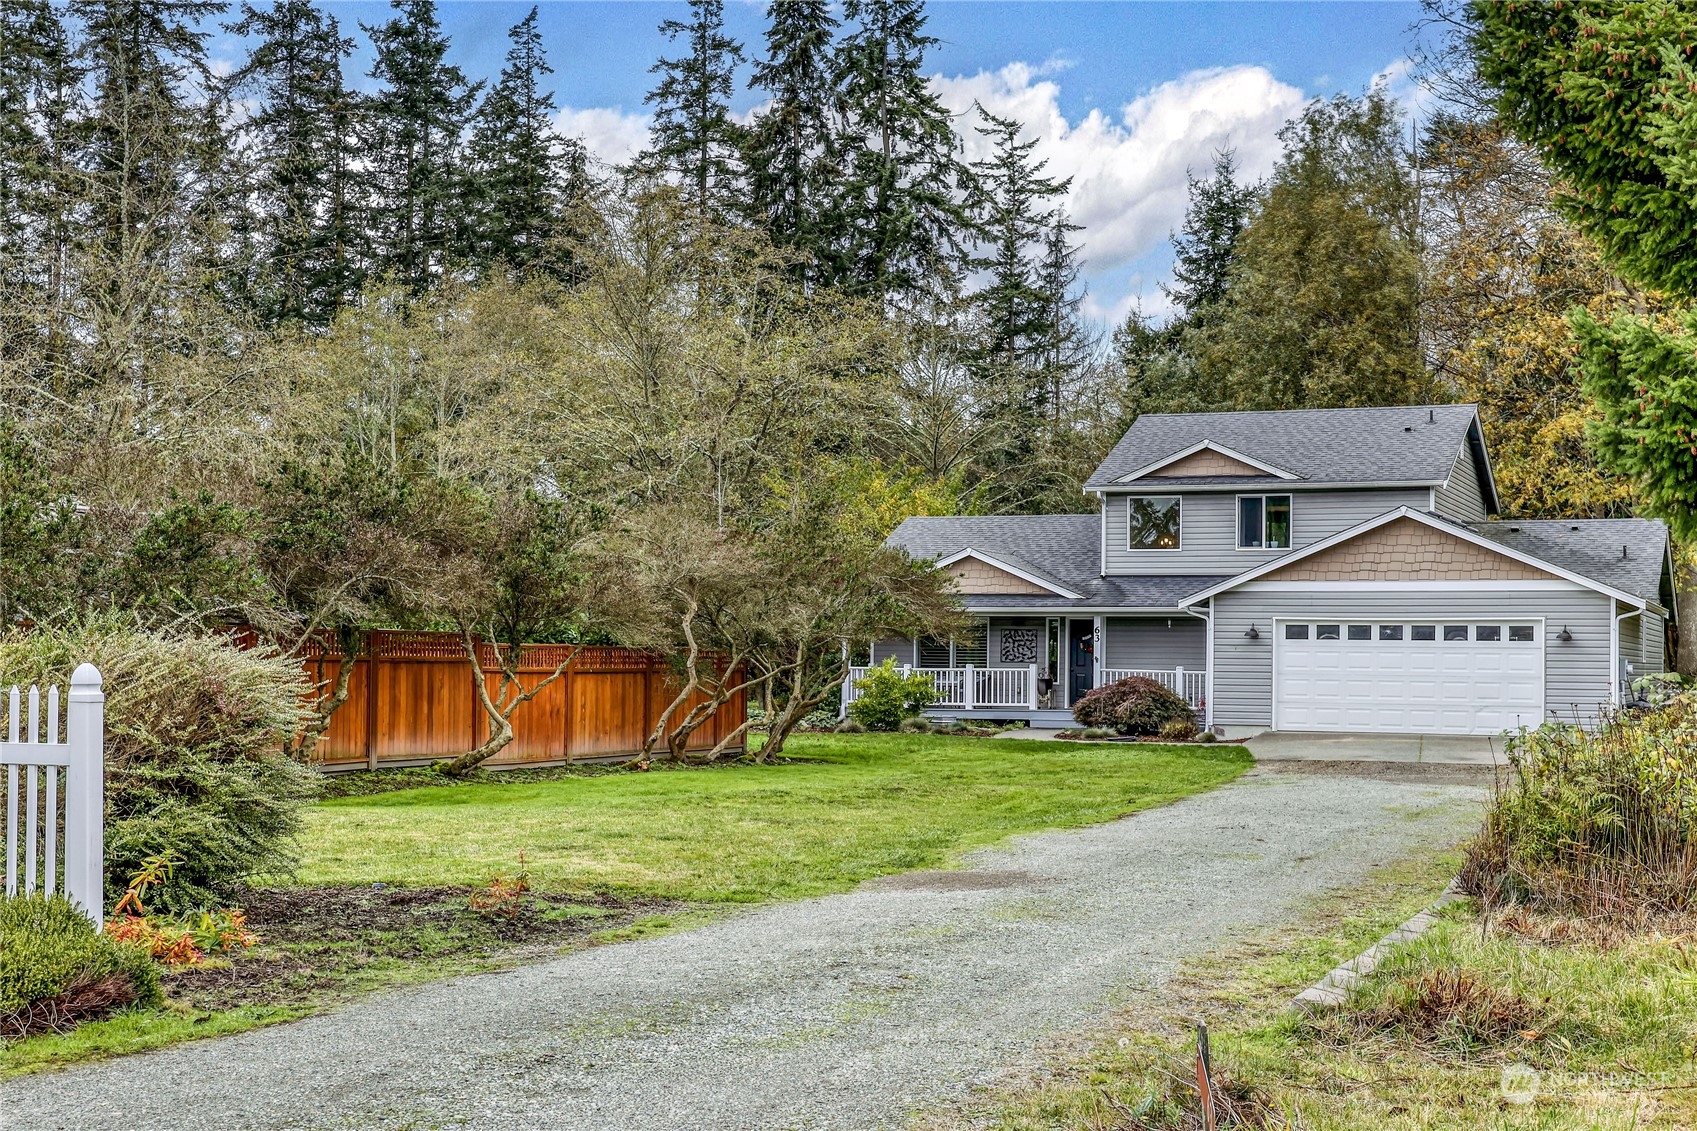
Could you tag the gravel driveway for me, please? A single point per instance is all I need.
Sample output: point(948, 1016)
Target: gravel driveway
point(843, 1012)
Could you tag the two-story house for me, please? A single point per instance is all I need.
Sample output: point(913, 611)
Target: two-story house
point(1316, 570)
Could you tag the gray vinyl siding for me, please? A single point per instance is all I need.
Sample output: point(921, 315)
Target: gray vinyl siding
point(1208, 528)
point(1655, 642)
point(1157, 642)
point(1641, 642)
point(1576, 672)
point(897, 647)
point(1461, 496)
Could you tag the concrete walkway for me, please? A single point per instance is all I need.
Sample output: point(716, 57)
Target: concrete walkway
point(844, 1012)
point(1445, 749)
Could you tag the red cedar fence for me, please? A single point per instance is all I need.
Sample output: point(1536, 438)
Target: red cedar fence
point(411, 701)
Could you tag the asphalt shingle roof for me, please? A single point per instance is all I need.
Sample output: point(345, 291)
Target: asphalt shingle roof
point(1405, 444)
point(1592, 547)
point(1065, 549)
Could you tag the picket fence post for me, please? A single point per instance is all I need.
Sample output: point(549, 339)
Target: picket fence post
point(85, 794)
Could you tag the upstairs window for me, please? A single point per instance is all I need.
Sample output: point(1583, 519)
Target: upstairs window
point(1152, 522)
point(1263, 522)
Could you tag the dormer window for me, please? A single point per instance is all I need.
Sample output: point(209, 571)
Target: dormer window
point(1152, 522)
point(1263, 522)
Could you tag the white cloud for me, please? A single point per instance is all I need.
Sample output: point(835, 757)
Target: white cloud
point(1129, 176)
point(608, 132)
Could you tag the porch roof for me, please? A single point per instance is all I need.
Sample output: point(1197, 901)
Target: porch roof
point(1065, 549)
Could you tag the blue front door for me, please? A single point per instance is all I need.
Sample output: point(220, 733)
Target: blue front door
point(1081, 659)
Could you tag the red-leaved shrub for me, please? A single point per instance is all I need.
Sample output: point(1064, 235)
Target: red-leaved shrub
point(1134, 705)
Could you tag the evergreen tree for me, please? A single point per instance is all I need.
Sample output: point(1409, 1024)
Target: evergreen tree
point(524, 180)
point(38, 87)
point(154, 185)
point(1062, 345)
point(1608, 95)
point(1018, 215)
point(1322, 308)
point(1218, 210)
point(694, 136)
point(905, 228)
point(413, 128)
point(298, 147)
point(791, 155)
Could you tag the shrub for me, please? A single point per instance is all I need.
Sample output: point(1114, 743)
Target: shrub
point(1603, 823)
point(56, 971)
point(1134, 705)
point(887, 696)
point(195, 761)
point(850, 726)
point(1179, 730)
point(916, 724)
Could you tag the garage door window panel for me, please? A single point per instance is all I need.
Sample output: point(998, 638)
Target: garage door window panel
point(1488, 633)
point(1423, 632)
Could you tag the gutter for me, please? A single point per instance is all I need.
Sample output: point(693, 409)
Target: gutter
point(1615, 673)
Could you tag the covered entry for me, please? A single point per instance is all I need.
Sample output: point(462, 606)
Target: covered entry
point(1408, 676)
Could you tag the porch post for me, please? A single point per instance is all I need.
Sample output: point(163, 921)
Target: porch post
point(969, 688)
point(1099, 652)
point(1178, 684)
point(1031, 687)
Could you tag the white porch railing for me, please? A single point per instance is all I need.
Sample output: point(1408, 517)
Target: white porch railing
point(55, 793)
point(969, 688)
point(1193, 685)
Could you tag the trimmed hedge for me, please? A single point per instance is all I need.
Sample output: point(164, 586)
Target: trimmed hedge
point(195, 762)
point(56, 971)
point(1134, 705)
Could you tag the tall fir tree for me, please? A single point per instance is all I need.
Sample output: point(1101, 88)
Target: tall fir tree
point(1016, 206)
point(792, 154)
point(1218, 210)
point(694, 137)
point(1062, 345)
point(905, 224)
point(412, 140)
point(38, 86)
point(298, 154)
point(524, 180)
point(155, 179)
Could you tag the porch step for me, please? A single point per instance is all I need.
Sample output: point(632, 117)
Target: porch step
point(1056, 719)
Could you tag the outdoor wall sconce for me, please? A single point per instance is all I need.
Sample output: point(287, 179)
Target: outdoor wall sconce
point(1564, 635)
point(1253, 633)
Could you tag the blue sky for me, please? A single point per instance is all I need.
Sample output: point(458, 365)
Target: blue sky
point(1125, 97)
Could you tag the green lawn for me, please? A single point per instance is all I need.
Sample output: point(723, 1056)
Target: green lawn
point(858, 806)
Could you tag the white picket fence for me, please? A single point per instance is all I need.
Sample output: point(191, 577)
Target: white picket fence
point(55, 792)
point(968, 688)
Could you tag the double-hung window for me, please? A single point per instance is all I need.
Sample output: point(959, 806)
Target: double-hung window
point(1263, 522)
point(1152, 522)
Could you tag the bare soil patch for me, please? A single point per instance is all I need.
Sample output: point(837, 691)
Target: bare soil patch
point(331, 940)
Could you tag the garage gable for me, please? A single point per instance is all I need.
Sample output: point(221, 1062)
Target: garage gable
point(1406, 550)
point(975, 575)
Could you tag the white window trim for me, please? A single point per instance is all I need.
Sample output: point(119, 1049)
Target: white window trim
point(1237, 521)
point(1129, 548)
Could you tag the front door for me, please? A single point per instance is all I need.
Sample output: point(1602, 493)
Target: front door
point(1081, 659)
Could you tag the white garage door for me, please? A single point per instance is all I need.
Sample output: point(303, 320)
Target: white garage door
point(1409, 677)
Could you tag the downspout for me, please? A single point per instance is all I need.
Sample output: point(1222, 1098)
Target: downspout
point(1208, 680)
point(1614, 654)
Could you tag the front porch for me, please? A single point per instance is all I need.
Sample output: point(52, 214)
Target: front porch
point(1036, 668)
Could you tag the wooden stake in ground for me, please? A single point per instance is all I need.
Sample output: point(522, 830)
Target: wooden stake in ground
point(1204, 1074)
